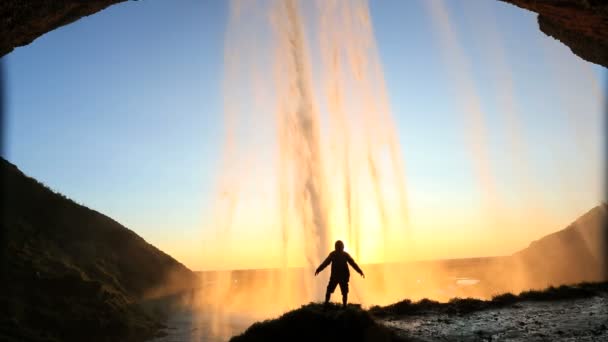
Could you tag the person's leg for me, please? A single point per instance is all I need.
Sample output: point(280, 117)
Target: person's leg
point(344, 290)
point(331, 286)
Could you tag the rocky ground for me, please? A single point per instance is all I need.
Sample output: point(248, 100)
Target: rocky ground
point(565, 313)
point(584, 319)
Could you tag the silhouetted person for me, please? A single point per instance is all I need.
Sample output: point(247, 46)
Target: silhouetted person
point(339, 271)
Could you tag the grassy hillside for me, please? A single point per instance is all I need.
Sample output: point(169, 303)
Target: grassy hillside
point(574, 254)
point(71, 273)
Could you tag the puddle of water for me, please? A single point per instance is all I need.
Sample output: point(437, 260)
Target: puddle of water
point(466, 281)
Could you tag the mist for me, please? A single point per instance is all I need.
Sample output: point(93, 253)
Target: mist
point(312, 155)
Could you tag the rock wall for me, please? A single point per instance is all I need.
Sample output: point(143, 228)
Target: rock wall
point(22, 21)
point(582, 25)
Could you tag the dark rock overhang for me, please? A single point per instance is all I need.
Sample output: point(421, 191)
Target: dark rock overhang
point(22, 21)
point(582, 25)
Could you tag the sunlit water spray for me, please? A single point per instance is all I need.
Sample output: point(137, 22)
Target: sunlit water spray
point(312, 155)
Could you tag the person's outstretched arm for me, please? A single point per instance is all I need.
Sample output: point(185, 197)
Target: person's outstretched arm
point(352, 262)
point(324, 264)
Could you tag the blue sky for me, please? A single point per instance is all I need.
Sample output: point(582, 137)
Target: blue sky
point(122, 111)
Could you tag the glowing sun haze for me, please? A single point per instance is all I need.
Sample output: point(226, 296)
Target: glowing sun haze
point(493, 146)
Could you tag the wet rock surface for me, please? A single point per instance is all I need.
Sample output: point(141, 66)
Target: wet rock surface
point(584, 319)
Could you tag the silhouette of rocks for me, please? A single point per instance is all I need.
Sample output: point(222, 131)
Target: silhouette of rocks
point(316, 322)
point(582, 25)
point(23, 21)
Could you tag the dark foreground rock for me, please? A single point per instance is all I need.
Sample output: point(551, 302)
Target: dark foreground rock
point(70, 273)
point(315, 322)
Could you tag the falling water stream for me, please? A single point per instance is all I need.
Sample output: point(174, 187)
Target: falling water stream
point(334, 166)
point(312, 155)
point(311, 145)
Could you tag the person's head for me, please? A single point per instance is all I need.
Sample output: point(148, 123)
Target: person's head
point(339, 245)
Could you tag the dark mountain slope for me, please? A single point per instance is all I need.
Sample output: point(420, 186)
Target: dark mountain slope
point(71, 273)
point(574, 254)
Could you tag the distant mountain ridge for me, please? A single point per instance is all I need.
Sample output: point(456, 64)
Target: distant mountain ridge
point(574, 254)
point(72, 273)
